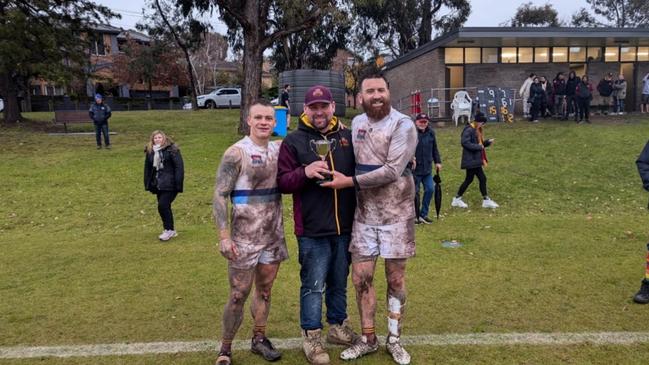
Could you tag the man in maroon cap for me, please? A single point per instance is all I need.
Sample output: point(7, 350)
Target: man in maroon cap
point(323, 219)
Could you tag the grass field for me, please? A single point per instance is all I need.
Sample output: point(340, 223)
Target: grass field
point(81, 263)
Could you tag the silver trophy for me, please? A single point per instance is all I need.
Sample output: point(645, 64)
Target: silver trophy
point(322, 148)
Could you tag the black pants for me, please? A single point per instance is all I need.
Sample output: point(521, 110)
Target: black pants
point(99, 129)
point(535, 109)
point(470, 174)
point(584, 108)
point(165, 198)
point(573, 105)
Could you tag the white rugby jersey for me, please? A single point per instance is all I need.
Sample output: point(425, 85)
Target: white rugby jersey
point(256, 200)
point(383, 149)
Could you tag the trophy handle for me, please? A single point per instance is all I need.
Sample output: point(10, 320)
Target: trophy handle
point(333, 143)
point(313, 147)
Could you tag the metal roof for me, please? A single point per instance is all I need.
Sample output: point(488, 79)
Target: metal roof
point(530, 37)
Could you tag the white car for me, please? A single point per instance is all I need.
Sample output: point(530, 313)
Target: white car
point(2, 105)
point(225, 97)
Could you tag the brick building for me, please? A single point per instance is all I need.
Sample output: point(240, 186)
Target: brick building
point(504, 57)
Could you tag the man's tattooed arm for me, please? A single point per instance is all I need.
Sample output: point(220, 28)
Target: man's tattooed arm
point(226, 178)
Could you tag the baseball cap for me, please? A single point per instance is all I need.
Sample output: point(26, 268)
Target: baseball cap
point(318, 94)
point(421, 116)
point(98, 96)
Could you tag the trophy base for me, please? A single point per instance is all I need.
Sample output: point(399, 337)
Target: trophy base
point(326, 179)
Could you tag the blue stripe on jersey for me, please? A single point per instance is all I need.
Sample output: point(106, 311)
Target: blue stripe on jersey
point(255, 196)
point(360, 168)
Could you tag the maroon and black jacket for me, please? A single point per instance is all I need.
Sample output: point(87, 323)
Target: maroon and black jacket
point(317, 211)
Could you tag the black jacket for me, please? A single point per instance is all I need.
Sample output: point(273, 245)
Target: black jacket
point(317, 211)
point(605, 87)
point(471, 148)
point(99, 113)
point(643, 166)
point(426, 152)
point(537, 94)
point(559, 87)
point(571, 85)
point(170, 177)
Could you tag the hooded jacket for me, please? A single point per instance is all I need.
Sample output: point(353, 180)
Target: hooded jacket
point(317, 211)
point(426, 152)
point(172, 174)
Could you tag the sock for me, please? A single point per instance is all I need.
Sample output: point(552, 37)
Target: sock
point(646, 275)
point(370, 334)
point(259, 331)
point(226, 346)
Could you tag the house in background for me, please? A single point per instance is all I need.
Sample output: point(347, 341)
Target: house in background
point(504, 57)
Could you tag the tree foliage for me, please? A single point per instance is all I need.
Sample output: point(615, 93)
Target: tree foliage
point(252, 27)
point(528, 15)
point(313, 48)
point(622, 13)
point(44, 38)
point(206, 59)
point(397, 27)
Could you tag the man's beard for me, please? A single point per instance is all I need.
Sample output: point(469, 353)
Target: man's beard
point(376, 113)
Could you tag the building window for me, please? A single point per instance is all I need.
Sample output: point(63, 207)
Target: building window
point(627, 54)
point(594, 54)
point(508, 55)
point(577, 54)
point(643, 53)
point(97, 46)
point(36, 90)
point(541, 54)
point(472, 55)
point(490, 55)
point(453, 55)
point(525, 55)
point(559, 54)
point(611, 54)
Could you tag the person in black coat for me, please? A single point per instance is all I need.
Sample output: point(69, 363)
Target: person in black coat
point(425, 155)
point(642, 296)
point(163, 175)
point(99, 114)
point(537, 98)
point(474, 157)
point(571, 87)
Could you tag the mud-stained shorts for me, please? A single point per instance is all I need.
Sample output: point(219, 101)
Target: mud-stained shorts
point(392, 241)
point(252, 254)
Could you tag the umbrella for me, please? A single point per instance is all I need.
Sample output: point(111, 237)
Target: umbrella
point(438, 192)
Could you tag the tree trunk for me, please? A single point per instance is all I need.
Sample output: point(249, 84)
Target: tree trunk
point(192, 82)
point(252, 61)
point(9, 92)
point(149, 96)
point(426, 27)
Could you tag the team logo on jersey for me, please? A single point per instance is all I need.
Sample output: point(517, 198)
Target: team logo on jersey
point(256, 160)
point(344, 142)
point(360, 135)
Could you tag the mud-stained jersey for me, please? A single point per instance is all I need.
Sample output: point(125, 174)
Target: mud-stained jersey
point(256, 200)
point(386, 190)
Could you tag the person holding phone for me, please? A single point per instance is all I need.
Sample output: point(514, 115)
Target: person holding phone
point(474, 157)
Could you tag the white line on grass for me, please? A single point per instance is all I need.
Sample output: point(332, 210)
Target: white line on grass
point(483, 339)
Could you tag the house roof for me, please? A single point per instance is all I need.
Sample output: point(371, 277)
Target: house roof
point(530, 37)
point(106, 28)
point(132, 34)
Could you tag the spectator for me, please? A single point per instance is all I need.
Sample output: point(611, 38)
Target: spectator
point(571, 98)
point(644, 102)
point(605, 89)
point(524, 92)
point(547, 103)
point(559, 88)
point(584, 92)
point(285, 101)
point(163, 176)
point(619, 95)
point(425, 155)
point(536, 100)
point(642, 296)
point(99, 113)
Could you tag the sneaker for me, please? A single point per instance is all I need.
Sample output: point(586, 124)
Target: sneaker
point(425, 220)
point(488, 203)
point(458, 202)
point(224, 358)
point(108, 146)
point(359, 348)
point(313, 347)
point(394, 348)
point(262, 346)
point(98, 147)
point(342, 334)
point(162, 235)
point(642, 296)
point(167, 235)
point(418, 220)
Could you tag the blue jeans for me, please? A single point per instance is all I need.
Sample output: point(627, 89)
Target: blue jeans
point(99, 129)
point(324, 270)
point(619, 105)
point(429, 189)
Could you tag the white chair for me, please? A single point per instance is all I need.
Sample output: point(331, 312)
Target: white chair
point(461, 106)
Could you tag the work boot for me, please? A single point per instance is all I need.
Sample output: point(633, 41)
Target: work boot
point(642, 296)
point(262, 346)
point(341, 334)
point(313, 348)
point(359, 348)
point(394, 348)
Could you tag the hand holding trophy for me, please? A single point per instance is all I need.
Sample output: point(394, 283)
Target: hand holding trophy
point(322, 148)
